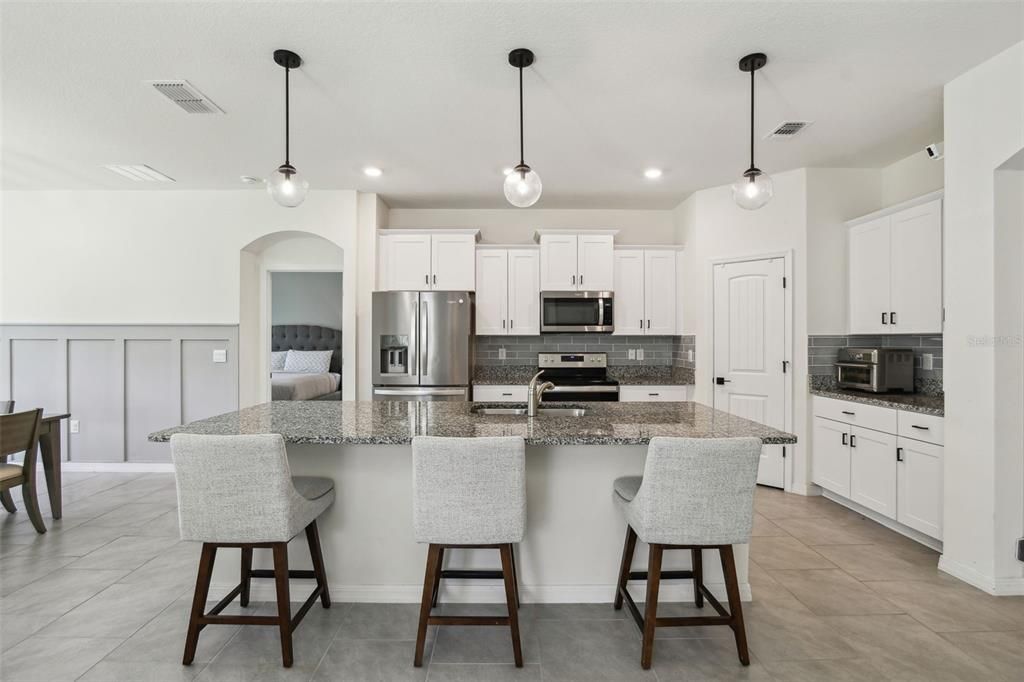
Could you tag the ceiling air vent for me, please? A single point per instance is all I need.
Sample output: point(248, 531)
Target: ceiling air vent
point(788, 129)
point(139, 173)
point(186, 96)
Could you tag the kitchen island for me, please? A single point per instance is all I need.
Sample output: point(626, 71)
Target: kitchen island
point(574, 532)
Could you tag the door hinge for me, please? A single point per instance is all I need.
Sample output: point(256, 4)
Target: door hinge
point(785, 365)
point(783, 282)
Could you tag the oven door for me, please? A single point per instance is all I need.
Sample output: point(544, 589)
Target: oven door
point(581, 394)
point(859, 375)
point(577, 311)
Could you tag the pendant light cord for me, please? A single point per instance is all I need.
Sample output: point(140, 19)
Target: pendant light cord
point(522, 156)
point(752, 118)
point(287, 142)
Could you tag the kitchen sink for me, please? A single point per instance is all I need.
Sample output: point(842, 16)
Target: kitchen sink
point(521, 411)
point(561, 411)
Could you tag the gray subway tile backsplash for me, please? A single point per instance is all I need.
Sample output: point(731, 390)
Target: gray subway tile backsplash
point(667, 351)
point(823, 350)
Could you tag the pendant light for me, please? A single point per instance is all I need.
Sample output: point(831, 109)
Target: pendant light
point(522, 185)
point(285, 185)
point(754, 188)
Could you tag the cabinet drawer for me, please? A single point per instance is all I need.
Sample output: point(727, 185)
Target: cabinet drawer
point(500, 394)
point(859, 414)
point(653, 393)
point(926, 427)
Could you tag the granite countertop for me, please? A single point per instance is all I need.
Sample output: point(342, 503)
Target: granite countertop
point(627, 375)
point(910, 402)
point(396, 422)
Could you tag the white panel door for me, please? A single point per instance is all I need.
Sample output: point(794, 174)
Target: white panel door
point(916, 265)
point(629, 292)
point(830, 462)
point(453, 262)
point(408, 262)
point(558, 262)
point(523, 291)
point(869, 277)
point(659, 292)
point(491, 292)
point(919, 486)
point(749, 349)
point(873, 470)
point(596, 262)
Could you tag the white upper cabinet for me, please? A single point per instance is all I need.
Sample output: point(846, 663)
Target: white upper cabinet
point(660, 292)
point(507, 292)
point(895, 278)
point(577, 261)
point(524, 292)
point(596, 262)
point(629, 292)
point(425, 260)
point(491, 292)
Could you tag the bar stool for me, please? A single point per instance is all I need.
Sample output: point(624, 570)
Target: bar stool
point(238, 491)
point(468, 493)
point(695, 494)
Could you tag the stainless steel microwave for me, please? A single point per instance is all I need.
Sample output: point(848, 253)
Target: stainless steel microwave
point(589, 312)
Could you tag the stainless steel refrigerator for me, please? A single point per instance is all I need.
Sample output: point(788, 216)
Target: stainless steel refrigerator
point(422, 345)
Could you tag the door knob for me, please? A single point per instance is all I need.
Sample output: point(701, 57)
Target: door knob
point(721, 381)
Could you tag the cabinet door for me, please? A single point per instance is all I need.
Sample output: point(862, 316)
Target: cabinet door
point(629, 292)
point(919, 482)
point(523, 291)
point(491, 292)
point(558, 262)
point(660, 292)
point(869, 277)
point(453, 262)
point(831, 461)
point(873, 470)
point(408, 262)
point(916, 239)
point(596, 263)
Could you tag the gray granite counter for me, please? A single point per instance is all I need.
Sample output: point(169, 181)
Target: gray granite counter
point(910, 402)
point(627, 375)
point(396, 422)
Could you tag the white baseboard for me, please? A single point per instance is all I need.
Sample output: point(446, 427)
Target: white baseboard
point(914, 535)
point(119, 467)
point(999, 587)
point(476, 592)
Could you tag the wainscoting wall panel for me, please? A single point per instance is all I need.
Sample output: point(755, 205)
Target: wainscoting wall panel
point(120, 382)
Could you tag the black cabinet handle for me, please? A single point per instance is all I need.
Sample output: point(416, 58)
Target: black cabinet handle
point(923, 428)
point(426, 279)
point(653, 394)
point(503, 324)
point(506, 394)
point(885, 318)
point(849, 413)
point(435, 279)
point(511, 323)
point(648, 324)
point(581, 280)
point(853, 441)
point(844, 439)
point(892, 317)
point(899, 454)
point(574, 279)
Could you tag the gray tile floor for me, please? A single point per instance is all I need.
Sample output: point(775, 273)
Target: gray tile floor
point(105, 596)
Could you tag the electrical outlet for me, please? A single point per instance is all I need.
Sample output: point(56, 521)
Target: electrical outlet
point(927, 361)
point(502, 353)
point(639, 353)
point(689, 355)
point(220, 355)
point(632, 354)
point(73, 425)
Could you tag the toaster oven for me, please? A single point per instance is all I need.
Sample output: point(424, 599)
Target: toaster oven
point(876, 370)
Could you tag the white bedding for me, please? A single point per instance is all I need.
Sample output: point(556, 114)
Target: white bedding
point(301, 385)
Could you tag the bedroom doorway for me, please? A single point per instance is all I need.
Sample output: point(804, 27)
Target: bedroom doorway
point(306, 319)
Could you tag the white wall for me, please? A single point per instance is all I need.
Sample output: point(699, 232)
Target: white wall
point(984, 109)
point(372, 216)
point(911, 177)
point(516, 226)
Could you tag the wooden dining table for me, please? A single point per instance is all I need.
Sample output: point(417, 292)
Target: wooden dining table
point(50, 453)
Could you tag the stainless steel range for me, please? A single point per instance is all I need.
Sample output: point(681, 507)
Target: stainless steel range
point(577, 377)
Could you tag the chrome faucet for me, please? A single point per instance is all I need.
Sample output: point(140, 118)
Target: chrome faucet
point(534, 394)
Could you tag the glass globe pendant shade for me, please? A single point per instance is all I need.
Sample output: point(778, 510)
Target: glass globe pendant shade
point(287, 187)
point(753, 190)
point(522, 186)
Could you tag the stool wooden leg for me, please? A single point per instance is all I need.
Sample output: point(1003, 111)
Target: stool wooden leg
point(284, 606)
point(317, 555)
point(651, 605)
point(437, 577)
point(246, 576)
point(206, 559)
point(429, 579)
point(508, 572)
point(7, 500)
point(735, 608)
point(515, 574)
point(627, 561)
point(697, 560)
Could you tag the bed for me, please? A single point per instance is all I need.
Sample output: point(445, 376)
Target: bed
point(303, 386)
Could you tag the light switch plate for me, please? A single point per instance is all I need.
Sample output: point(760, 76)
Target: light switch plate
point(73, 425)
point(502, 354)
point(220, 355)
point(639, 353)
point(927, 361)
point(689, 356)
point(631, 354)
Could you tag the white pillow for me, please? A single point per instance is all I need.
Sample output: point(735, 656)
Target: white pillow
point(308, 361)
point(277, 360)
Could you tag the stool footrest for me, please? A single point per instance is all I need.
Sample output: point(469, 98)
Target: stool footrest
point(467, 620)
point(472, 573)
point(267, 573)
point(665, 575)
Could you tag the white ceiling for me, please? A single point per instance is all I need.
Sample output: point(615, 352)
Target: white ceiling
point(423, 90)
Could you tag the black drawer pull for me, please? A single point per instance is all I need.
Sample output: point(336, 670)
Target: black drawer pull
point(849, 413)
point(923, 428)
point(653, 394)
point(899, 454)
point(853, 441)
point(506, 394)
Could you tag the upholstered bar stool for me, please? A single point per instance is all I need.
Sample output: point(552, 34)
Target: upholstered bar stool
point(468, 493)
point(695, 494)
point(238, 491)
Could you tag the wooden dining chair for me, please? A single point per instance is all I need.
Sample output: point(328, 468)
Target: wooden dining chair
point(19, 432)
point(6, 407)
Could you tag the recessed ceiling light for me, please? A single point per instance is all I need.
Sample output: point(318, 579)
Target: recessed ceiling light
point(251, 180)
point(138, 172)
point(373, 172)
point(652, 173)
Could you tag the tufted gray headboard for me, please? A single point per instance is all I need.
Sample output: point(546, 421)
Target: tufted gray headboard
point(307, 337)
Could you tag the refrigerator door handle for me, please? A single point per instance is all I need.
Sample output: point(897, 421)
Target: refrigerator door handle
point(414, 351)
point(424, 335)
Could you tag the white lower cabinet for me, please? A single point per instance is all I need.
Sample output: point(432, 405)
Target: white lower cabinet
point(895, 476)
point(651, 394)
point(500, 394)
